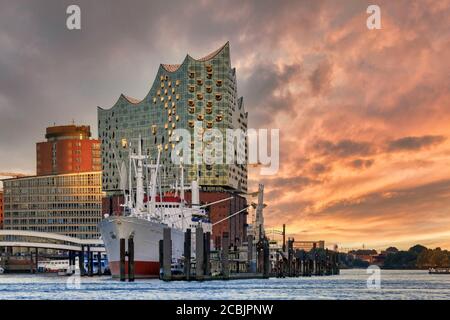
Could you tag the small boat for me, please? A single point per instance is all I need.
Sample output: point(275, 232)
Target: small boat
point(439, 271)
point(63, 272)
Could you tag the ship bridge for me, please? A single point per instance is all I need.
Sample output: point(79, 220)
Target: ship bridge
point(35, 239)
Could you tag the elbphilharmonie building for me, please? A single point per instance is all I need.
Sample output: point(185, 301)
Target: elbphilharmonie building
point(198, 92)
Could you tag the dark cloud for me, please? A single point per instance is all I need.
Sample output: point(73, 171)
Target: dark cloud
point(319, 168)
point(409, 200)
point(361, 163)
point(414, 143)
point(49, 74)
point(291, 182)
point(320, 79)
point(343, 148)
point(263, 88)
point(349, 148)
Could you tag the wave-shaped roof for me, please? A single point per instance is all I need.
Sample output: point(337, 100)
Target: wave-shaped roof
point(172, 68)
point(175, 67)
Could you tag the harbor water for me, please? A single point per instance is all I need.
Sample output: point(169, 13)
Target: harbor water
point(350, 284)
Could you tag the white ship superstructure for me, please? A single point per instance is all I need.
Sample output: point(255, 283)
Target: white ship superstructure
point(147, 213)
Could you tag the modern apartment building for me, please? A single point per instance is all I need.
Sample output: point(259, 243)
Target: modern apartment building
point(68, 204)
point(65, 196)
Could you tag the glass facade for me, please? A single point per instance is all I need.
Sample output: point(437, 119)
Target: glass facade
point(199, 90)
point(68, 204)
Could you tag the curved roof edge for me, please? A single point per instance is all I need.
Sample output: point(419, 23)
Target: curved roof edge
point(175, 67)
point(168, 68)
point(131, 99)
point(127, 99)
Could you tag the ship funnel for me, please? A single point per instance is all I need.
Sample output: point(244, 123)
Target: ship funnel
point(195, 193)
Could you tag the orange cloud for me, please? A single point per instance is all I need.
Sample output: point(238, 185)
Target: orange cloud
point(365, 149)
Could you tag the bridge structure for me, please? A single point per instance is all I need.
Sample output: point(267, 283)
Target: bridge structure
point(84, 248)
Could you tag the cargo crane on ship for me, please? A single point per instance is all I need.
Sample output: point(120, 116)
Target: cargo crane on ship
point(147, 213)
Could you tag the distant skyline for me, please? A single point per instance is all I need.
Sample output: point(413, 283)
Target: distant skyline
point(363, 114)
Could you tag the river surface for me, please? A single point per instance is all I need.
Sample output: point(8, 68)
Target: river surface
point(350, 284)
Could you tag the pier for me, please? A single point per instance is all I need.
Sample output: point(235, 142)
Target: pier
point(234, 263)
point(35, 242)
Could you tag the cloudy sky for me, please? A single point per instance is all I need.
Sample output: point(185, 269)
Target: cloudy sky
point(364, 114)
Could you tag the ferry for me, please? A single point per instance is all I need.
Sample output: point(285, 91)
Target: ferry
point(439, 271)
point(62, 267)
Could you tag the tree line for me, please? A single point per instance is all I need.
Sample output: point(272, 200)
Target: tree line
point(416, 257)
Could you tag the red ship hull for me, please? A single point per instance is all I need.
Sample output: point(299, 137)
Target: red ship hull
point(142, 269)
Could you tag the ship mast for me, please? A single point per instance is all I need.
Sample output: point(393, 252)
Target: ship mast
point(153, 181)
point(182, 183)
point(139, 178)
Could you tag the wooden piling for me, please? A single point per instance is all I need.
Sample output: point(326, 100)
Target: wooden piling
point(199, 253)
point(314, 270)
point(130, 259)
point(250, 265)
point(81, 261)
point(122, 259)
point(161, 257)
point(289, 269)
point(207, 253)
point(167, 254)
point(266, 259)
point(187, 254)
point(31, 261)
point(90, 262)
point(36, 262)
point(225, 255)
point(71, 264)
point(99, 263)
